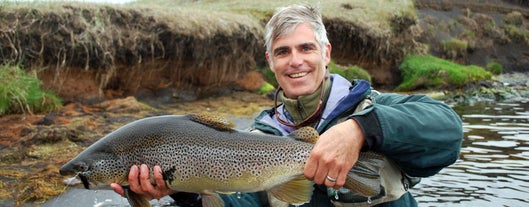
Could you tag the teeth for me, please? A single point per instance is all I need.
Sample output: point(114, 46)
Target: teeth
point(297, 75)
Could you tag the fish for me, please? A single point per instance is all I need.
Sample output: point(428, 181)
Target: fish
point(204, 154)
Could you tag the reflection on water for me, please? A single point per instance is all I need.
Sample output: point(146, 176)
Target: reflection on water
point(493, 169)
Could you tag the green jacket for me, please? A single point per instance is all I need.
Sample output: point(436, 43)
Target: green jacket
point(421, 135)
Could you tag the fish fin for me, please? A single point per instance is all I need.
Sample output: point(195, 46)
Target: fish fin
point(225, 193)
point(214, 120)
point(297, 191)
point(306, 134)
point(135, 200)
point(210, 199)
point(364, 177)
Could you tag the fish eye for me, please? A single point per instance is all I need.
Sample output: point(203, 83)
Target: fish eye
point(81, 167)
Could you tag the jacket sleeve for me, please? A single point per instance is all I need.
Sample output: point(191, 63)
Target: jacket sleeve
point(420, 134)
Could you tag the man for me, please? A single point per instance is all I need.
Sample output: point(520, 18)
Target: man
point(419, 136)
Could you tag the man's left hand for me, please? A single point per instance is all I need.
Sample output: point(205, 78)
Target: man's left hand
point(334, 154)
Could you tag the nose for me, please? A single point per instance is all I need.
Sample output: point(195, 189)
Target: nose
point(296, 59)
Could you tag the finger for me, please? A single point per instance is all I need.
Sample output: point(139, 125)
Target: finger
point(118, 189)
point(321, 174)
point(134, 182)
point(145, 179)
point(310, 168)
point(340, 181)
point(331, 178)
point(158, 176)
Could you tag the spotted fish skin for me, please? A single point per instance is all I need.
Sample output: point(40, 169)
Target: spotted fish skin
point(201, 155)
point(194, 156)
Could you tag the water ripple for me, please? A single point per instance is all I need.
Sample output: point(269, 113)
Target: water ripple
point(493, 169)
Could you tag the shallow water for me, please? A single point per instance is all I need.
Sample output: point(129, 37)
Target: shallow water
point(493, 169)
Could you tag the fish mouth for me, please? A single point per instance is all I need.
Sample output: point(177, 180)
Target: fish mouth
point(84, 180)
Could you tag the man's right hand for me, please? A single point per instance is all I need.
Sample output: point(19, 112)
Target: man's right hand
point(140, 183)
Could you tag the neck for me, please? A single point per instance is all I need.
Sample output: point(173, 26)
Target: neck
point(306, 106)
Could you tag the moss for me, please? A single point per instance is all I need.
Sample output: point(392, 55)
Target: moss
point(265, 88)
point(21, 92)
point(494, 67)
point(432, 72)
point(270, 76)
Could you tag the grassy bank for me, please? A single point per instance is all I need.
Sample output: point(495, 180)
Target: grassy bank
point(428, 72)
point(175, 45)
point(21, 92)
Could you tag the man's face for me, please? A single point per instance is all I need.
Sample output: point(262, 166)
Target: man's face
point(297, 61)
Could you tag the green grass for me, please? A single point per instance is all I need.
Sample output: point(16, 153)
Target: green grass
point(494, 67)
point(350, 73)
point(431, 72)
point(374, 14)
point(21, 92)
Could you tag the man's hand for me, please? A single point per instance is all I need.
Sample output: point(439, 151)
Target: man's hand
point(140, 182)
point(334, 154)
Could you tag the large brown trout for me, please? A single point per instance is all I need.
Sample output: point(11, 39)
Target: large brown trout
point(204, 154)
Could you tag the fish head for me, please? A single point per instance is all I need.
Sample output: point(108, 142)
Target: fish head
point(96, 169)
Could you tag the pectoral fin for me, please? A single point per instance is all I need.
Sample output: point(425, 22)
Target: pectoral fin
point(296, 192)
point(134, 199)
point(210, 199)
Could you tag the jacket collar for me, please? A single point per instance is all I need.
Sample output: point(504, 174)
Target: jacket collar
point(343, 96)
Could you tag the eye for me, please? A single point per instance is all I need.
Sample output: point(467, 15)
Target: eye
point(281, 52)
point(307, 47)
point(81, 167)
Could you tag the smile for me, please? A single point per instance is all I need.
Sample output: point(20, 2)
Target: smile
point(298, 75)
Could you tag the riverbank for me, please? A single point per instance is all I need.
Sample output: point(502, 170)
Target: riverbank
point(100, 96)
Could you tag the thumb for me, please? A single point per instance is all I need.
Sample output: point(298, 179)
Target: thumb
point(118, 189)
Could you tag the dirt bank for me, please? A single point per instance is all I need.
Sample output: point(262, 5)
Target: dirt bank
point(477, 32)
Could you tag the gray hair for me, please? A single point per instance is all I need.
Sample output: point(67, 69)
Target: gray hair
point(286, 19)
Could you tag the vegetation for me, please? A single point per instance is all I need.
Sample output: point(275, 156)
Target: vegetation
point(494, 67)
point(202, 45)
point(432, 72)
point(22, 93)
point(265, 88)
point(349, 73)
point(454, 47)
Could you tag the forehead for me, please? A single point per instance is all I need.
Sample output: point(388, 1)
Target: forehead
point(301, 34)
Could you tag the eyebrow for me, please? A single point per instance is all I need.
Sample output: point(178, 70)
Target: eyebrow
point(280, 49)
point(306, 44)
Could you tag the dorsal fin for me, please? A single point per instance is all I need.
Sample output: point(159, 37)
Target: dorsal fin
point(213, 120)
point(306, 134)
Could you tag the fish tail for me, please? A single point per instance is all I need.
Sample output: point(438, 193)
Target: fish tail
point(364, 177)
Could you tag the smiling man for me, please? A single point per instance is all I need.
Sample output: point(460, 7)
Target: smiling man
point(417, 135)
point(298, 61)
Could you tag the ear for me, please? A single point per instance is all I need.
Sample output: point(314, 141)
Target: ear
point(327, 56)
point(269, 60)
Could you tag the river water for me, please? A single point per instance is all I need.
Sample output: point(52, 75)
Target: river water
point(493, 169)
